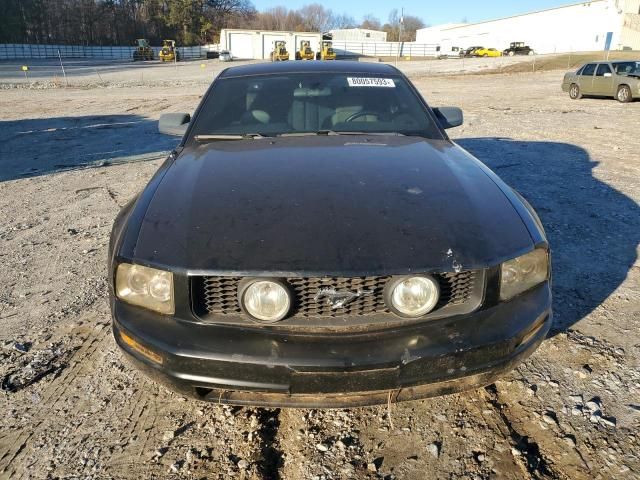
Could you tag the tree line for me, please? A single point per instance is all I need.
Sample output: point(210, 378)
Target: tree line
point(190, 22)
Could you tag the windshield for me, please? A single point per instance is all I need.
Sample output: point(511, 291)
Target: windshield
point(272, 105)
point(626, 68)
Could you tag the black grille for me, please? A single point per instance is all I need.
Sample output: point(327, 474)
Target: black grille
point(219, 295)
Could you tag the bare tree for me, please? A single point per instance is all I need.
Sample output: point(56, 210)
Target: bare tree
point(343, 21)
point(316, 17)
point(220, 13)
point(312, 17)
point(278, 18)
point(409, 26)
point(370, 22)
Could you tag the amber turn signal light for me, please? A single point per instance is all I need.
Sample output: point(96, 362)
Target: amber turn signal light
point(141, 349)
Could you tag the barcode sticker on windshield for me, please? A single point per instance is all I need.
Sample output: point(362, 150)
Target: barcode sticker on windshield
point(370, 82)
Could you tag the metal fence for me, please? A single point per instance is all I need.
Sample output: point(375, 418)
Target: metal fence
point(10, 51)
point(384, 49)
point(13, 51)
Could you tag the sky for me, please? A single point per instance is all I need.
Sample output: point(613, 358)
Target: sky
point(431, 12)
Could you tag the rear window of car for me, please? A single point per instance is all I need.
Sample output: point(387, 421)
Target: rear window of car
point(311, 102)
point(588, 69)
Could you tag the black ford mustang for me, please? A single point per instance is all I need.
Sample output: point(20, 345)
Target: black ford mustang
point(317, 240)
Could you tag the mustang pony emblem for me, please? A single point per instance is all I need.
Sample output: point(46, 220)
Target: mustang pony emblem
point(339, 298)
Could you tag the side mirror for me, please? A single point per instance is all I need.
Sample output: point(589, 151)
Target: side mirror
point(449, 117)
point(607, 75)
point(174, 123)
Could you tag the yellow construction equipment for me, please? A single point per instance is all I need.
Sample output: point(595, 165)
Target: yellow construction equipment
point(305, 52)
point(169, 52)
point(143, 51)
point(279, 53)
point(326, 51)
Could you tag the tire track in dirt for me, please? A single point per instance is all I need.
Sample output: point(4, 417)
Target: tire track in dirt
point(133, 440)
point(534, 462)
point(136, 441)
point(269, 449)
point(410, 440)
point(13, 444)
point(146, 420)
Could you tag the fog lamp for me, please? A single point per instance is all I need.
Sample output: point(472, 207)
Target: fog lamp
point(413, 296)
point(267, 301)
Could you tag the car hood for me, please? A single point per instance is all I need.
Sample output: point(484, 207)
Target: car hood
point(329, 205)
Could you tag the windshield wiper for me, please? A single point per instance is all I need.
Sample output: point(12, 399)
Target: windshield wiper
point(333, 132)
point(253, 136)
point(213, 138)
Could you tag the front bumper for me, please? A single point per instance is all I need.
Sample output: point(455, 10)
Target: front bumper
point(265, 367)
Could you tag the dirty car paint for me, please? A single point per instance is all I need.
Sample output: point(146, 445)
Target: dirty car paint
point(312, 204)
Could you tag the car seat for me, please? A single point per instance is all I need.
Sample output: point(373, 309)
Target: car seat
point(309, 110)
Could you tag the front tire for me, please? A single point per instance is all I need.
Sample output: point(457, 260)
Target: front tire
point(531, 52)
point(574, 92)
point(624, 94)
point(511, 53)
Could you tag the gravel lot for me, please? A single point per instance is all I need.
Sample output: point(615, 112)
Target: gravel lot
point(70, 158)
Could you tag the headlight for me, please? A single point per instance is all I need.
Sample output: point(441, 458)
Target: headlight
point(265, 300)
point(522, 273)
point(413, 296)
point(146, 287)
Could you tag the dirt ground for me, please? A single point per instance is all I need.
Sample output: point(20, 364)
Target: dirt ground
point(73, 408)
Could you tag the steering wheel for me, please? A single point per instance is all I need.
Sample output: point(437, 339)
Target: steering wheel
point(362, 113)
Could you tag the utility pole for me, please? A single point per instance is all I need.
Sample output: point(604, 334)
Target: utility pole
point(400, 35)
point(66, 82)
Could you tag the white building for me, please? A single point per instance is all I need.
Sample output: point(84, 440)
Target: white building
point(358, 35)
point(587, 26)
point(256, 44)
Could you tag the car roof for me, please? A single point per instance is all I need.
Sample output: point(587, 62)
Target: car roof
point(334, 66)
point(598, 62)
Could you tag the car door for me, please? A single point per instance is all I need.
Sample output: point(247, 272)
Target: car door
point(585, 79)
point(603, 80)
